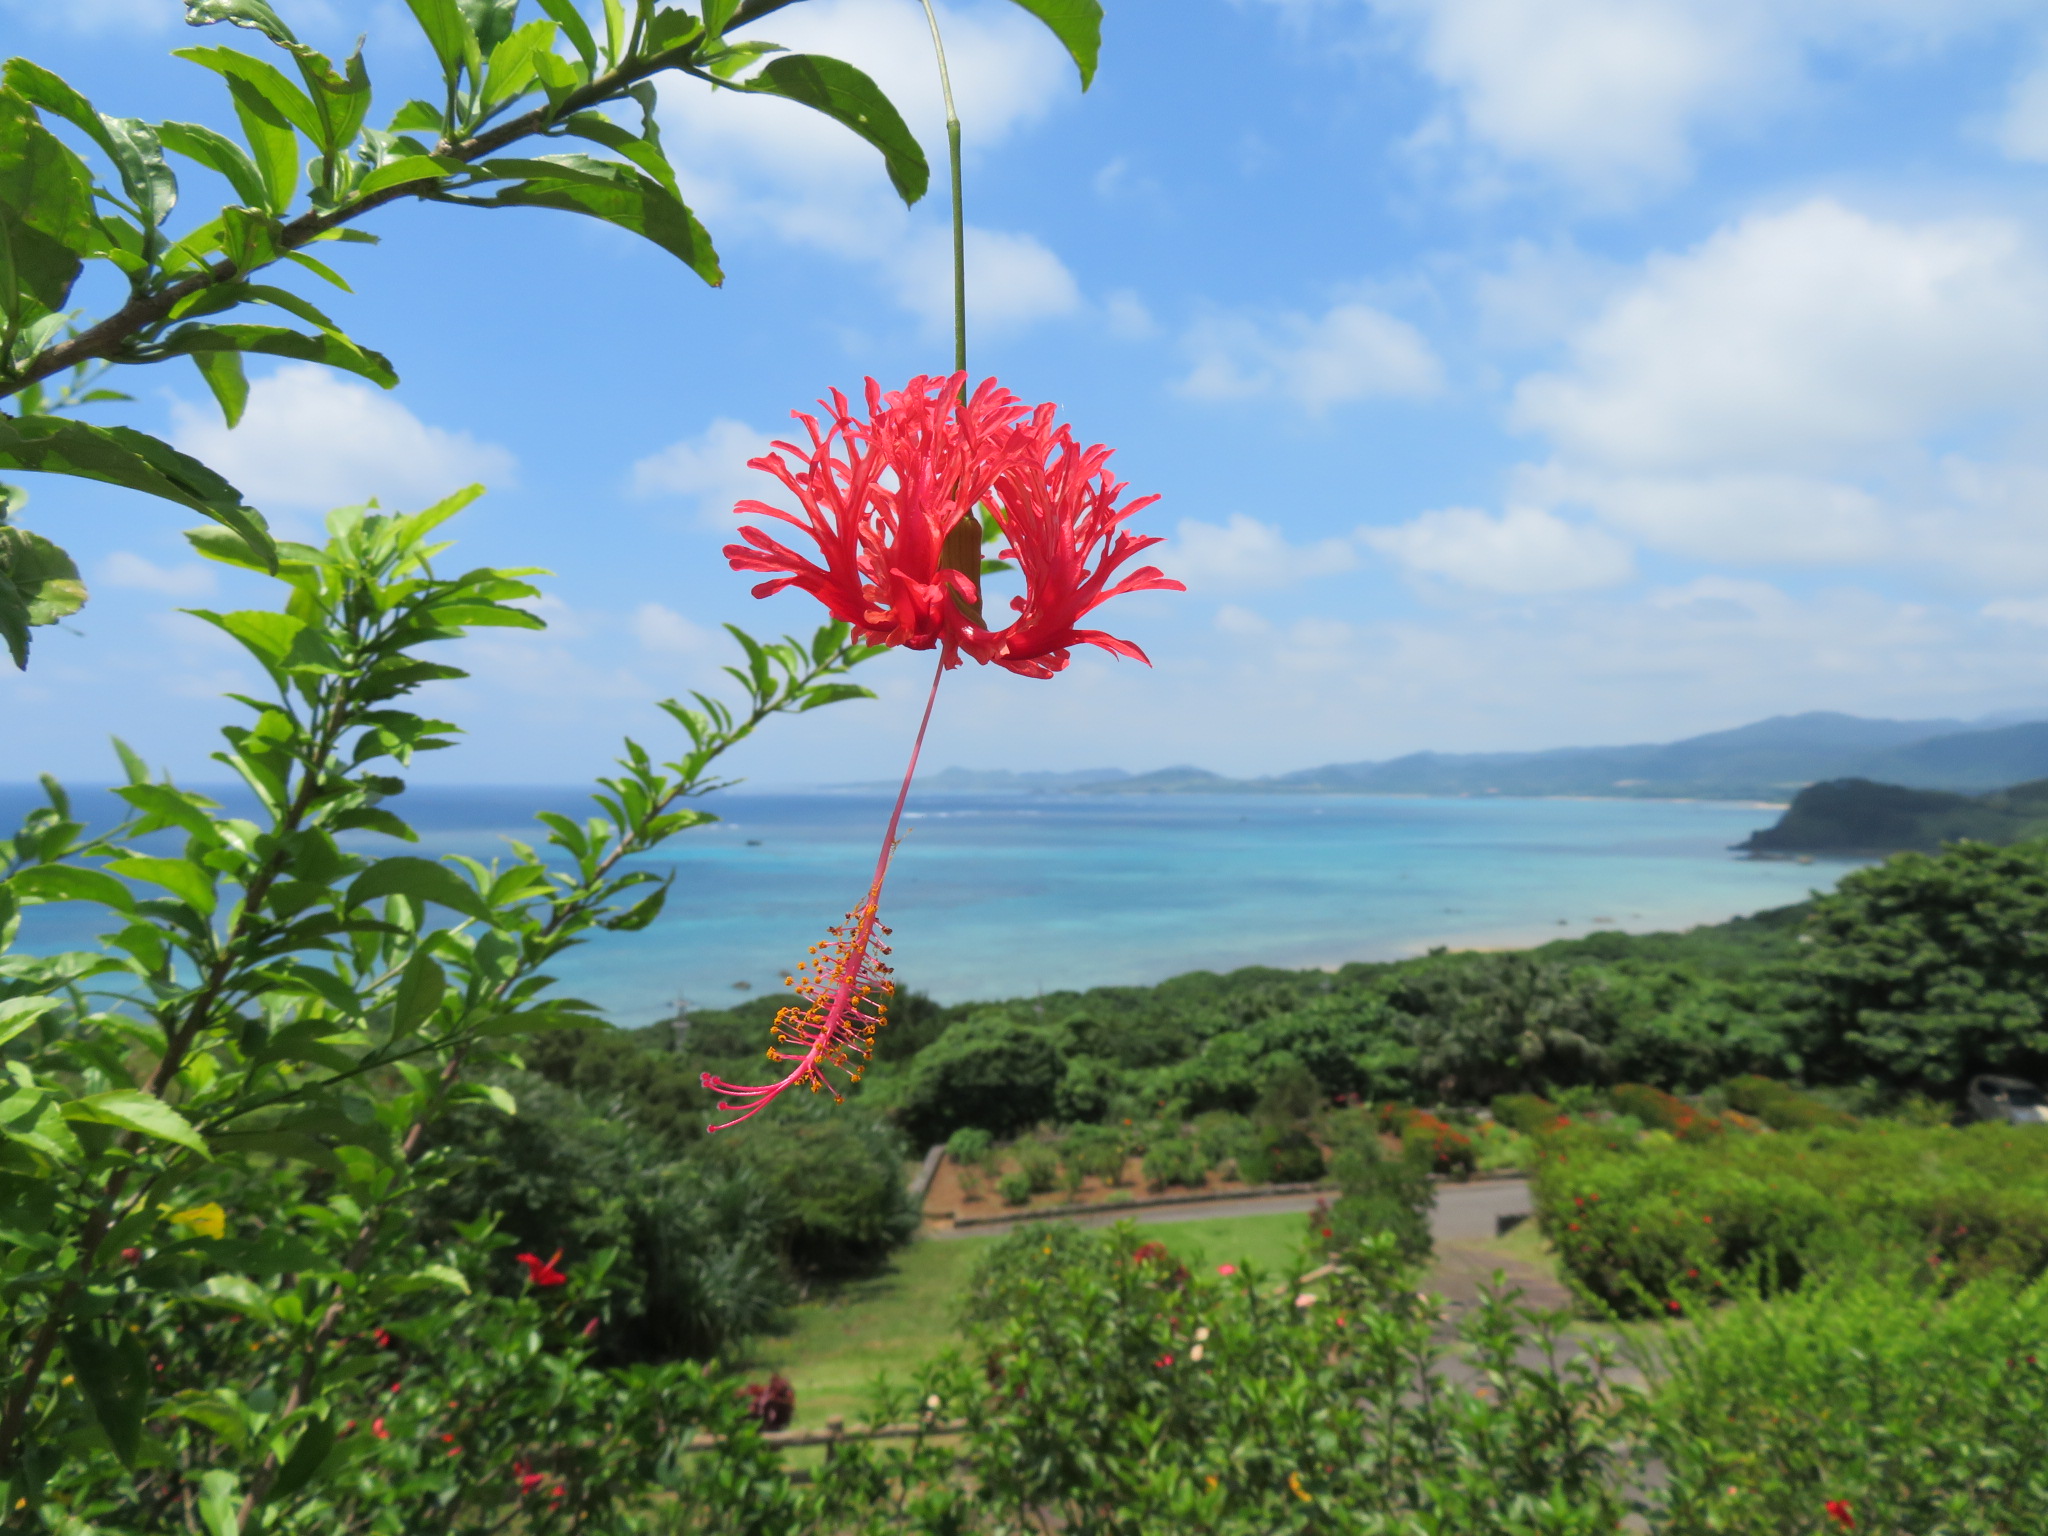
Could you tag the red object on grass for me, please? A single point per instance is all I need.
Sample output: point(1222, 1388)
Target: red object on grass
point(541, 1272)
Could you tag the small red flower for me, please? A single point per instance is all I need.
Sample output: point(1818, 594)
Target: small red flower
point(131, 1255)
point(527, 1478)
point(383, 1339)
point(1838, 1511)
point(377, 1428)
point(1162, 1362)
point(589, 1328)
point(543, 1273)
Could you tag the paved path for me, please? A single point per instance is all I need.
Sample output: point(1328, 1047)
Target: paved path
point(1463, 1211)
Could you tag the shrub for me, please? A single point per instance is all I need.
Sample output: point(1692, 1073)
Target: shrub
point(1643, 1228)
point(1281, 1157)
point(1039, 1164)
point(1381, 1196)
point(1916, 1412)
point(970, 1146)
point(1498, 1148)
point(1098, 1150)
point(1436, 1146)
point(1528, 1113)
point(1222, 1135)
point(1108, 1387)
point(989, 1072)
point(1015, 1188)
point(1664, 1111)
point(1780, 1107)
point(1176, 1160)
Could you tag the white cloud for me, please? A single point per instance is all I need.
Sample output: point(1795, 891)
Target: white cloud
point(2022, 130)
point(1612, 96)
point(1012, 281)
point(1733, 516)
point(124, 568)
point(1798, 339)
point(760, 164)
point(1245, 552)
point(1241, 622)
point(311, 439)
point(1127, 317)
point(711, 469)
point(1525, 550)
point(662, 630)
point(2031, 611)
point(1351, 352)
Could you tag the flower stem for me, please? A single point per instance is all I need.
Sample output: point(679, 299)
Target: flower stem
point(959, 217)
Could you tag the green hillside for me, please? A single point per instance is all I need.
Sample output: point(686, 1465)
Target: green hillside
point(1859, 816)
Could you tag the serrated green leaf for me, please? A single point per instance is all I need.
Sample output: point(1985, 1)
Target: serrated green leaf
point(133, 1110)
point(848, 96)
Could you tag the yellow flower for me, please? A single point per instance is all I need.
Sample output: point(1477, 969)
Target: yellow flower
point(207, 1220)
point(1301, 1493)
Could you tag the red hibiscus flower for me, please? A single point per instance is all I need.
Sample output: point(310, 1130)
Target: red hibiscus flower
point(1056, 503)
point(543, 1272)
point(892, 503)
point(879, 497)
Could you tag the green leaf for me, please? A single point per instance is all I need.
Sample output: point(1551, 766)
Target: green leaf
point(220, 154)
point(447, 33)
point(133, 1110)
point(70, 882)
point(405, 170)
point(163, 806)
point(848, 96)
point(242, 13)
point(501, 1098)
point(420, 880)
point(34, 83)
point(184, 879)
point(263, 78)
point(138, 155)
point(331, 348)
point(617, 194)
point(575, 28)
point(421, 986)
point(1078, 26)
point(122, 456)
point(218, 1489)
point(46, 214)
point(114, 1380)
point(38, 585)
point(223, 374)
point(20, 1013)
point(304, 1461)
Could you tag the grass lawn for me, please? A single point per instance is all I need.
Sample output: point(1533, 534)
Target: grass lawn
point(894, 1323)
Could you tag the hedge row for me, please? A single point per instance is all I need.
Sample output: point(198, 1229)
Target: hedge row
point(1650, 1226)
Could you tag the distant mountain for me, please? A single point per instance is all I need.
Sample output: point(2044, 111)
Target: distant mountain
point(1856, 816)
point(1770, 760)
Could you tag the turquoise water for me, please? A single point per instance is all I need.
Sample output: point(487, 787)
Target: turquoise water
point(1008, 895)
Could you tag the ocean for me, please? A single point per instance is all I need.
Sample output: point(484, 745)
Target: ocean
point(1010, 895)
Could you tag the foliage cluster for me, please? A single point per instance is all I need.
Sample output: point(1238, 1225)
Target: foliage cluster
point(218, 1138)
point(1650, 1225)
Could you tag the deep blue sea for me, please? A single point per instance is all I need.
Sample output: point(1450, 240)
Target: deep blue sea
point(1003, 896)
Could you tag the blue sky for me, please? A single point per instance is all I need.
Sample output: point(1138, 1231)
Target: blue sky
point(1514, 373)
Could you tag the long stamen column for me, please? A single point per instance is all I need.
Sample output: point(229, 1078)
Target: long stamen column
point(845, 986)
